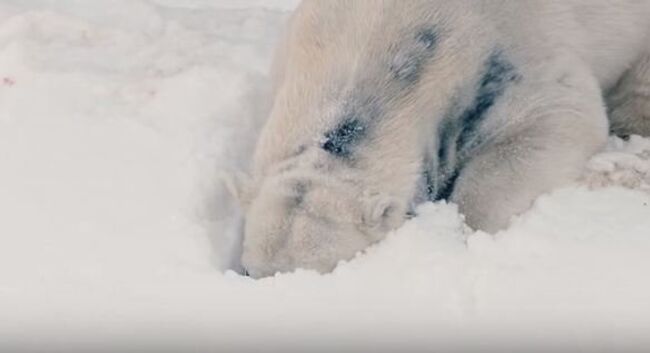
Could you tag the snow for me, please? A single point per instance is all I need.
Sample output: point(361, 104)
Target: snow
point(116, 119)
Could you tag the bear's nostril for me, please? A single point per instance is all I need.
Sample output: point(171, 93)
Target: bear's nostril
point(246, 273)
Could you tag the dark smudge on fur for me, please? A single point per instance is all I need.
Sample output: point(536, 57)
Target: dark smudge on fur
point(459, 136)
point(408, 64)
point(341, 140)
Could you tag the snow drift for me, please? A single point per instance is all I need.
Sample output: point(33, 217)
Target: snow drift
point(116, 118)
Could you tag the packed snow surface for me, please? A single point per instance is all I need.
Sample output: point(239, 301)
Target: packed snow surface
point(117, 118)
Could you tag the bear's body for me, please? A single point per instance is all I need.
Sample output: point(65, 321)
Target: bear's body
point(381, 104)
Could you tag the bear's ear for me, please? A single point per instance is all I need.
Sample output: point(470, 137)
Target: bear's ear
point(380, 211)
point(240, 187)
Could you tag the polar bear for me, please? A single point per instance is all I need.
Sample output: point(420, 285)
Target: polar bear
point(383, 104)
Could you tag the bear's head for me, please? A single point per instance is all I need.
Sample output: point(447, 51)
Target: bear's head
point(309, 221)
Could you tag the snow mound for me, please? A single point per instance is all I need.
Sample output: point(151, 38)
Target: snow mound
point(116, 118)
point(623, 164)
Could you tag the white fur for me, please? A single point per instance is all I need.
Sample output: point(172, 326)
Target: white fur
point(308, 208)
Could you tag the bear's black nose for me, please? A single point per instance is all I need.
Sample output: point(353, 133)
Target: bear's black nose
point(246, 273)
